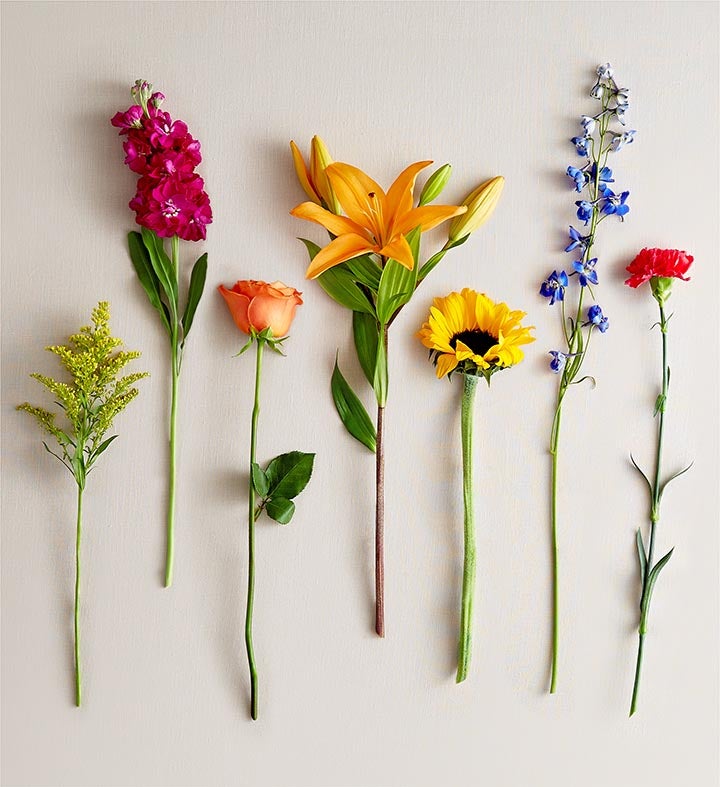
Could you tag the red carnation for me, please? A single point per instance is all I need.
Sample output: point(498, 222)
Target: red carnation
point(661, 263)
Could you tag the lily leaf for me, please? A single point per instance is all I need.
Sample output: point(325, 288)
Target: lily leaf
point(351, 410)
point(280, 509)
point(365, 270)
point(397, 283)
point(195, 291)
point(437, 257)
point(339, 284)
point(148, 279)
point(380, 380)
point(288, 474)
point(365, 333)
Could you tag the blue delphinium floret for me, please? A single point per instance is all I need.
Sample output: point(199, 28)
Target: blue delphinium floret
point(584, 210)
point(597, 318)
point(586, 272)
point(557, 363)
point(554, 286)
point(619, 141)
point(577, 241)
point(614, 204)
point(580, 176)
point(582, 145)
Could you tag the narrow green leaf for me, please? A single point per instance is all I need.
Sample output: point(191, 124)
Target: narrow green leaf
point(641, 553)
point(365, 270)
point(259, 480)
point(366, 335)
point(288, 474)
point(672, 478)
point(101, 448)
point(280, 509)
point(637, 467)
point(339, 284)
point(351, 410)
point(397, 283)
point(312, 248)
point(380, 380)
point(57, 456)
point(163, 267)
point(652, 579)
point(438, 256)
point(143, 267)
point(195, 291)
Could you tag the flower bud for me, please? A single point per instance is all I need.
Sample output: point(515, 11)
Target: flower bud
point(320, 159)
point(435, 184)
point(480, 206)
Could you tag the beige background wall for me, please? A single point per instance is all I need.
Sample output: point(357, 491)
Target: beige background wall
point(492, 88)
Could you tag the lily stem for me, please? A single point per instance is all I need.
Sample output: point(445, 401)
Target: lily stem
point(78, 685)
point(654, 512)
point(380, 525)
point(251, 541)
point(175, 361)
point(469, 563)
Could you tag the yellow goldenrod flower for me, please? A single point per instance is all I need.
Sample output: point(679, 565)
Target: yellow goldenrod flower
point(313, 179)
point(469, 330)
point(480, 205)
point(374, 221)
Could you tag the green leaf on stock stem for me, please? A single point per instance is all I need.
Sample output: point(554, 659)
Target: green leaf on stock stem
point(351, 410)
point(366, 336)
point(288, 474)
point(163, 267)
point(280, 509)
point(397, 283)
point(148, 279)
point(259, 480)
point(195, 291)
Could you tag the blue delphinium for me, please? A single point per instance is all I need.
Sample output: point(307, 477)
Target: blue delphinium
point(593, 181)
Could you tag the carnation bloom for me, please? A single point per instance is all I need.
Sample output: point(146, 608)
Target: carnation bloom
point(665, 263)
point(257, 305)
point(468, 329)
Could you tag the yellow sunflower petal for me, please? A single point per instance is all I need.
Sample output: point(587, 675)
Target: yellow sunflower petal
point(463, 352)
point(445, 364)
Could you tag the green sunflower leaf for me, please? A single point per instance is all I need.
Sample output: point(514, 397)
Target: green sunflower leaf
point(351, 410)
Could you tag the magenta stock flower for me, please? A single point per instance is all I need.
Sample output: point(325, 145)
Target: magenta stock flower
point(170, 198)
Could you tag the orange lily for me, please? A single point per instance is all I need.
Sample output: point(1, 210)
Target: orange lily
point(374, 221)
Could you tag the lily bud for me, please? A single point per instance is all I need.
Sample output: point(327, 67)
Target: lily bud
point(313, 179)
point(480, 206)
point(435, 184)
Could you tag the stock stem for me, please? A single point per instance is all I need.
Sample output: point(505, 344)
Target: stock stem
point(175, 358)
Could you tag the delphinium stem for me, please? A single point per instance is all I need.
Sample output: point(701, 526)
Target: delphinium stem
point(251, 541)
point(468, 588)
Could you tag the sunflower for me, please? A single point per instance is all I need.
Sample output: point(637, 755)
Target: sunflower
point(468, 332)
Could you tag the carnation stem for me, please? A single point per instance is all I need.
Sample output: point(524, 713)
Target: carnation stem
point(78, 686)
point(251, 541)
point(468, 588)
point(654, 513)
point(380, 525)
point(175, 360)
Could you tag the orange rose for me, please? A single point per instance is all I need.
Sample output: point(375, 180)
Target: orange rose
point(258, 305)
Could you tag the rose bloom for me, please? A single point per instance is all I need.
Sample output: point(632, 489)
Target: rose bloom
point(664, 263)
point(258, 305)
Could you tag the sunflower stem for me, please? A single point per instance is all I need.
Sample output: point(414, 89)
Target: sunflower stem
point(468, 588)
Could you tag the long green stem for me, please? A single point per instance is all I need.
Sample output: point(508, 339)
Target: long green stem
point(175, 360)
point(380, 508)
point(654, 512)
point(469, 562)
point(251, 541)
point(78, 685)
point(555, 551)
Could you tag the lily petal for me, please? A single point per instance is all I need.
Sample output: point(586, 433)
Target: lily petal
point(427, 217)
point(400, 194)
point(344, 247)
point(338, 225)
point(399, 249)
point(303, 174)
point(352, 189)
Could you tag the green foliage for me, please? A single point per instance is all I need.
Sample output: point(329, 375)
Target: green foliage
point(351, 410)
point(281, 481)
point(93, 398)
point(366, 336)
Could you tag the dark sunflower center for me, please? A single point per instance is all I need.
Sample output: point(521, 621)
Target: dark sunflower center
point(478, 341)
